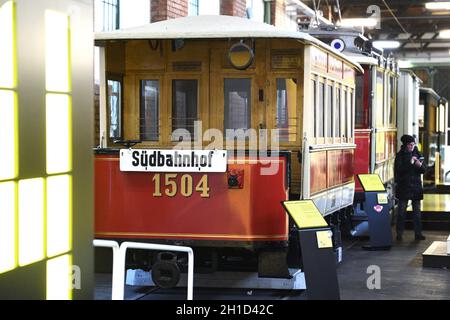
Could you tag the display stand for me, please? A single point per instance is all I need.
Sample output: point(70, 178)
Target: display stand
point(376, 207)
point(317, 255)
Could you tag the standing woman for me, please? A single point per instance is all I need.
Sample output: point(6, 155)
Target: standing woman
point(409, 166)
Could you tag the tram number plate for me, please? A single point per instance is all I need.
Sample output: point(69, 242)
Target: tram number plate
point(170, 185)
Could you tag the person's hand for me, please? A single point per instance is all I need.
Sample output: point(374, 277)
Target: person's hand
point(418, 163)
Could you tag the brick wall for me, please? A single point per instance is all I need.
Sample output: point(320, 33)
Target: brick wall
point(233, 8)
point(168, 9)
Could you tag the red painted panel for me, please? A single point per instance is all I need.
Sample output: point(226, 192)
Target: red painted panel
point(318, 178)
point(334, 160)
point(362, 155)
point(125, 206)
point(348, 168)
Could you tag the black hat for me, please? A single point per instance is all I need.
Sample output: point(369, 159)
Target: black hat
point(406, 139)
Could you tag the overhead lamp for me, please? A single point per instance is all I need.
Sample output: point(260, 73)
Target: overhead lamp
point(444, 34)
point(389, 44)
point(404, 64)
point(358, 22)
point(439, 5)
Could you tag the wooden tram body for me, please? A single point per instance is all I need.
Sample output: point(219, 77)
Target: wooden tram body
point(432, 131)
point(376, 105)
point(295, 84)
point(408, 105)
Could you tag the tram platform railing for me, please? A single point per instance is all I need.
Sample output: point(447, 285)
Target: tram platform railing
point(119, 255)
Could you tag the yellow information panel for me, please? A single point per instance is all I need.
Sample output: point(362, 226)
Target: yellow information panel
point(324, 239)
point(305, 214)
point(371, 182)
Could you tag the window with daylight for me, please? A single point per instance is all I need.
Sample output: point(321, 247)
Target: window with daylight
point(237, 94)
point(193, 9)
point(321, 113)
point(337, 114)
point(115, 108)
point(107, 15)
point(329, 112)
point(149, 113)
point(286, 120)
point(36, 212)
point(184, 105)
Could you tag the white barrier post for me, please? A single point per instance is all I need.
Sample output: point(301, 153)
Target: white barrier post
point(116, 251)
point(119, 266)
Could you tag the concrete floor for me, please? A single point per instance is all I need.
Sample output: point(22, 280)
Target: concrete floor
point(401, 277)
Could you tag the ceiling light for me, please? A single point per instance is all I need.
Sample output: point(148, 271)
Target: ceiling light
point(442, 5)
point(358, 22)
point(444, 34)
point(386, 44)
point(404, 64)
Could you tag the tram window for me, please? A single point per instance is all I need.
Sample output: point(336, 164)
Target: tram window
point(337, 114)
point(149, 113)
point(392, 103)
point(237, 107)
point(286, 109)
point(314, 102)
point(380, 112)
point(362, 114)
point(352, 105)
point(115, 108)
point(321, 115)
point(344, 114)
point(329, 112)
point(421, 115)
point(184, 104)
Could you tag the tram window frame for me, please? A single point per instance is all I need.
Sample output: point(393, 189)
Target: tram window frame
point(351, 137)
point(249, 107)
point(143, 136)
point(321, 111)
point(362, 112)
point(329, 125)
point(172, 105)
point(380, 112)
point(392, 119)
point(314, 105)
point(344, 115)
point(292, 130)
point(118, 79)
point(337, 113)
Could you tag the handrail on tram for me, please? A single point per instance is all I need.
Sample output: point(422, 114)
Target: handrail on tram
point(119, 254)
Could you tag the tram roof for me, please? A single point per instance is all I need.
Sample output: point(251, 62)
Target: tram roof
point(412, 74)
point(430, 91)
point(213, 27)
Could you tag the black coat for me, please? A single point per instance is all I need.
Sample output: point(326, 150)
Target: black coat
point(408, 176)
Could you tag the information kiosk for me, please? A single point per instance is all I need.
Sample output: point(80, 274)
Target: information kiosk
point(376, 207)
point(317, 255)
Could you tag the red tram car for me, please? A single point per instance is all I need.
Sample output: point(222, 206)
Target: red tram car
point(195, 85)
point(376, 106)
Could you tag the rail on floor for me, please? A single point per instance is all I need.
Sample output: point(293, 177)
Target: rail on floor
point(119, 254)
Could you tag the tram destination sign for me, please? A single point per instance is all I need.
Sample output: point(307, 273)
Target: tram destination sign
point(152, 160)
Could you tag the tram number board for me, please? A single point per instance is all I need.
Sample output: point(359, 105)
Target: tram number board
point(156, 160)
point(371, 182)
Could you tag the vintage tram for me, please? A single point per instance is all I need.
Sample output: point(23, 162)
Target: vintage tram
point(278, 105)
point(408, 105)
point(432, 127)
point(375, 115)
